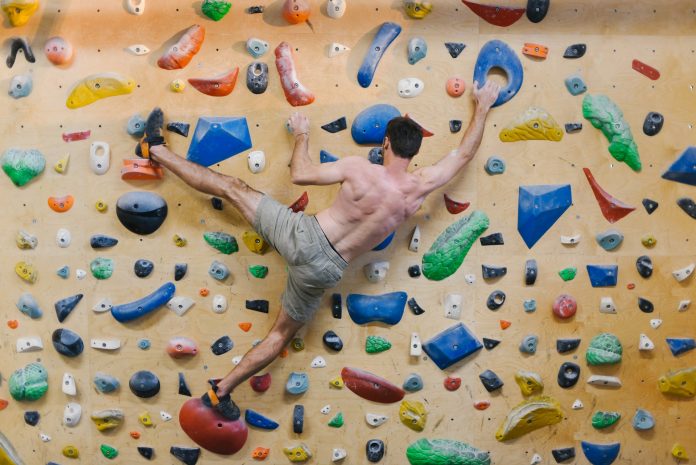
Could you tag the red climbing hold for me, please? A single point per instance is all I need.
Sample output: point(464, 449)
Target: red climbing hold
point(452, 384)
point(613, 209)
point(564, 306)
point(371, 387)
point(630, 286)
point(295, 93)
point(482, 404)
point(425, 132)
point(301, 203)
point(220, 86)
point(3, 404)
point(73, 136)
point(210, 430)
point(455, 207)
point(496, 15)
point(646, 70)
point(260, 383)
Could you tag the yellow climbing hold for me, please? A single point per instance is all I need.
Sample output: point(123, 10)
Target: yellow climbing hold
point(254, 242)
point(62, 164)
point(300, 453)
point(145, 419)
point(413, 414)
point(534, 124)
point(418, 10)
point(26, 271)
point(107, 419)
point(99, 86)
point(24, 240)
point(679, 383)
point(101, 206)
point(19, 11)
point(529, 382)
point(177, 85)
point(337, 382)
point(648, 240)
point(71, 452)
point(179, 241)
point(679, 452)
point(528, 416)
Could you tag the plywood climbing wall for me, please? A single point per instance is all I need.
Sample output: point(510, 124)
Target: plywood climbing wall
point(658, 33)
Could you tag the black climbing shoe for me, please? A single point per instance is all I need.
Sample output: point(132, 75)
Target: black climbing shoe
point(224, 405)
point(153, 134)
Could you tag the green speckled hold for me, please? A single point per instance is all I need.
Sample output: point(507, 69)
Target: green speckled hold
point(258, 271)
point(445, 452)
point(29, 383)
point(22, 165)
point(568, 274)
point(108, 451)
point(221, 241)
point(216, 9)
point(602, 420)
point(607, 117)
point(449, 249)
point(337, 421)
point(102, 268)
point(376, 344)
point(604, 349)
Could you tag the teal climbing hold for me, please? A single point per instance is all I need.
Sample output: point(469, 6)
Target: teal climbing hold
point(370, 125)
point(497, 54)
point(529, 305)
point(601, 454)
point(452, 345)
point(63, 272)
point(326, 157)
point(603, 275)
point(413, 383)
point(298, 382)
point(417, 49)
point(643, 420)
point(136, 126)
point(539, 207)
point(218, 138)
point(105, 383)
point(529, 344)
point(610, 239)
point(575, 84)
point(680, 345)
point(683, 169)
point(384, 308)
point(29, 306)
point(494, 165)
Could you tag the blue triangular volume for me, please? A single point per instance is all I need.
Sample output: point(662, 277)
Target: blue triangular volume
point(603, 275)
point(218, 138)
point(326, 157)
point(601, 454)
point(684, 168)
point(680, 345)
point(539, 207)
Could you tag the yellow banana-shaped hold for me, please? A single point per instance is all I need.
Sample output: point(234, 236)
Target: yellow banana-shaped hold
point(99, 86)
point(533, 124)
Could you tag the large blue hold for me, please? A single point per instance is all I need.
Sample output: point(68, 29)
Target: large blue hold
point(386, 34)
point(452, 345)
point(679, 345)
point(370, 126)
point(218, 138)
point(601, 454)
point(147, 304)
point(538, 208)
point(684, 168)
point(256, 419)
point(497, 54)
point(384, 308)
point(603, 275)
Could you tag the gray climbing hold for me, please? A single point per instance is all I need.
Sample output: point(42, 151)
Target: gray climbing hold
point(415, 308)
point(529, 344)
point(653, 123)
point(609, 239)
point(63, 272)
point(374, 449)
point(21, 86)
point(495, 300)
point(32, 417)
point(455, 48)
point(143, 268)
point(494, 165)
point(257, 77)
point(492, 272)
point(492, 239)
point(575, 84)
point(688, 205)
point(105, 383)
point(28, 305)
point(575, 51)
point(222, 345)
point(645, 305)
point(568, 375)
point(567, 345)
point(571, 128)
point(298, 382)
point(413, 383)
point(564, 454)
point(218, 270)
point(136, 126)
point(529, 305)
point(650, 205)
point(643, 420)
point(298, 419)
point(180, 270)
point(183, 386)
point(490, 381)
point(530, 272)
point(375, 156)
point(64, 307)
point(417, 49)
point(144, 344)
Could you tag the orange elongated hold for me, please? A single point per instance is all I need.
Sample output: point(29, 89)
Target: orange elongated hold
point(180, 54)
point(535, 50)
point(61, 204)
point(296, 11)
point(216, 87)
point(138, 169)
point(295, 93)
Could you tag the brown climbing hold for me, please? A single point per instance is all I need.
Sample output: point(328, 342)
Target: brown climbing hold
point(482, 404)
point(219, 86)
point(61, 204)
point(645, 70)
point(244, 326)
point(296, 11)
point(452, 384)
point(505, 324)
point(455, 87)
point(181, 53)
point(455, 207)
point(535, 50)
point(300, 204)
point(210, 430)
point(612, 208)
point(260, 453)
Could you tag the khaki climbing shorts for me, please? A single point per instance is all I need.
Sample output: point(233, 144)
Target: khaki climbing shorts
point(313, 264)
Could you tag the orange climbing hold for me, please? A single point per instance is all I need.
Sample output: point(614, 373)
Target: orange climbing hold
point(424, 131)
point(535, 50)
point(505, 324)
point(13, 324)
point(3, 404)
point(296, 11)
point(630, 286)
point(61, 204)
point(135, 434)
point(455, 207)
point(245, 326)
point(455, 87)
point(482, 404)
point(301, 203)
point(260, 453)
point(180, 54)
point(203, 292)
point(136, 169)
point(284, 353)
point(216, 87)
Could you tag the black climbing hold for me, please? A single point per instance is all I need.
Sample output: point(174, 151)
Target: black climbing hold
point(336, 126)
point(374, 449)
point(490, 381)
point(67, 342)
point(566, 345)
point(144, 384)
point(257, 305)
point(455, 125)
point(490, 344)
point(491, 272)
point(653, 123)
point(644, 266)
point(216, 202)
point(223, 345)
point(645, 305)
point(179, 128)
point(375, 156)
point(336, 306)
point(650, 205)
point(455, 48)
point(495, 300)
point(414, 271)
point(568, 375)
point(183, 387)
point(530, 272)
point(575, 51)
point(147, 452)
point(32, 417)
point(570, 128)
point(492, 239)
point(180, 270)
point(141, 212)
point(252, 10)
point(100, 241)
point(537, 9)
point(188, 455)
point(257, 77)
point(332, 341)
point(563, 455)
point(415, 308)
point(688, 206)
point(19, 43)
point(298, 419)
point(65, 306)
point(143, 268)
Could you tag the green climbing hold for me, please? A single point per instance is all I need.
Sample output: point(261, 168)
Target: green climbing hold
point(568, 274)
point(221, 241)
point(604, 349)
point(22, 165)
point(376, 344)
point(449, 249)
point(601, 420)
point(29, 383)
point(102, 268)
point(108, 451)
point(337, 421)
point(606, 116)
point(216, 9)
point(258, 271)
point(445, 452)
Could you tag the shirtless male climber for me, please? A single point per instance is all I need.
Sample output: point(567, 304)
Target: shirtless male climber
point(372, 202)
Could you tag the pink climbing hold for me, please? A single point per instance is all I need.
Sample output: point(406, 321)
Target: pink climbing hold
point(295, 93)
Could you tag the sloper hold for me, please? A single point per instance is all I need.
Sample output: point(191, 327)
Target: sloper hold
point(180, 54)
point(497, 54)
point(575, 84)
point(528, 416)
point(187, 455)
point(679, 346)
point(539, 207)
point(603, 275)
point(144, 384)
point(260, 383)
point(612, 208)
point(609, 239)
point(383, 38)
point(601, 419)
point(141, 212)
point(370, 125)
point(683, 169)
point(295, 92)
point(218, 138)
point(141, 307)
point(336, 125)
point(370, 386)
point(445, 451)
point(533, 124)
point(385, 308)
point(65, 306)
point(256, 419)
point(575, 51)
point(455, 48)
point(652, 124)
point(97, 87)
point(496, 15)
point(452, 345)
point(210, 430)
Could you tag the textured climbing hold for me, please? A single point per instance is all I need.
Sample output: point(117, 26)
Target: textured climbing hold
point(533, 124)
point(603, 275)
point(495, 300)
point(577, 405)
point(180, 54)
point(186, 455)
point(132, 310)
point(370, 386)
point(494, 165)
point(605, 115)
point(216, 9)
point(375, 450)
point(24, 240)
point(497, 15)
point(259, 421)
point(326, 157)
point(600, 454)
point(410, 87)
point(679, 452)
point(218, 86)
point(218, 138)
point(376, 344)
point(318, 362)
point(144, 384)
point(601, 420)
point(497, 54)
point(564, 306)
point(539, 207)
point(442, 451)
point(529, 382)
point(221, 241)
point(568, 375)
point(529, 305)
point(413, 415)
point(609, 239)
point(417, 9)
point(604, 349)
point(529, 344)
point(335, 49)
point(141, 212)
point(17, 44)
point(414, 271)
point(29, 383)
point(385, 308)
point(383, 38)
point(575, 84)
point(493, 239)
point(26, 344)
point(655, 323)
point(568, 274)
point(370, 125)
point(19, 12)
point(107, 419)
point(257, 305)
point(336, 421)
point(183, 386)
point(413, 383)
point(535, 50)
point(99, 157)
point(373, 419)
point(21, 166)
point(218, 270)
point(72, 413)
point(336, 382)
point(682, 273)
point(299, 453)
point(99, 86)
point(21, 86)
point(102, 268)
point(295, 93)
point(645, 343)
point(297, 383)
point(528, 416)
point(257, 77)
point(490, 381)
point(680, 383)
point(572, 128)
point(679, 346)
point(180, 304)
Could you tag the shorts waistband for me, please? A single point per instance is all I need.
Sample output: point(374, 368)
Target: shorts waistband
point(326, 246)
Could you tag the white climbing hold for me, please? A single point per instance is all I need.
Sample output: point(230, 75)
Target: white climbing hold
point(256, 161)
point(655, 323)
point(416, 347)
point(373, 419)
point(415, 240)
point(99, 157)
point(453, 306)
point(136, 7)
point(410, 87)
point(105, 344)
point(72, 414)
point(470, 278)
point(29, 344)
point(236, 359)
point(601, 380)
point(138, 49)
point(338, 454)
point(606, 305)
point(80, 273)
point(683, 273)
point(536, 459)
point(165, 416)
point(336, 49)
point(336, 8)
point(683, 305)
point(645, 343)
point(577, 405)
point(376, 271)
point(325, 409)
point(570, 240)
point(69, 387)
point(219, 303)
point(104, 305)
point(318, 362)
point(44, 437)
point(63, 238)
point(180, 304)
